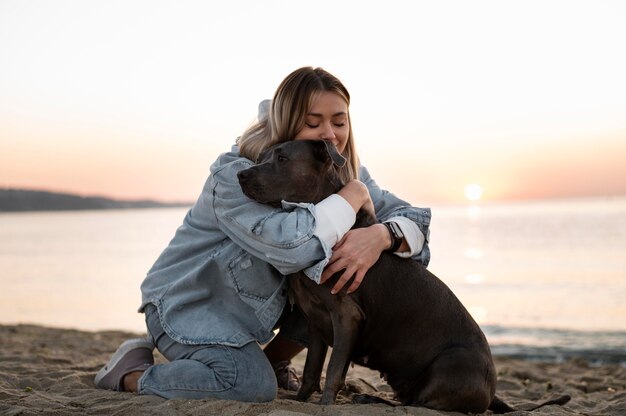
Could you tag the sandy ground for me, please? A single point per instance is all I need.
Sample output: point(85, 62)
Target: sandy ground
point(50, 371)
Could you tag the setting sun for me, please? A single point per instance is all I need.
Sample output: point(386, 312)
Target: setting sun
point(473, 192)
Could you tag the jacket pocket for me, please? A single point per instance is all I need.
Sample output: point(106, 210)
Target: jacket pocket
point(254, 280)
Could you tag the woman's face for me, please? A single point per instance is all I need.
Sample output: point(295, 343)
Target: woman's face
point(327, 119)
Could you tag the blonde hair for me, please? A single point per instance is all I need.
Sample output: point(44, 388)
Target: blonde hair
point(287, 116)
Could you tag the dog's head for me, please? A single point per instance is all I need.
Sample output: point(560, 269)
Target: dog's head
point(294, 171)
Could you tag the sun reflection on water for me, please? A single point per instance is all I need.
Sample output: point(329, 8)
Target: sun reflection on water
point(474, 278)
point(473, 212)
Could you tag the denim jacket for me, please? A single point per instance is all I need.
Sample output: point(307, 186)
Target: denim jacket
point(221, 278)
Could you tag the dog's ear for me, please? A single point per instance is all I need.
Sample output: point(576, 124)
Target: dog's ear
point(334, 154)
point(263, 155)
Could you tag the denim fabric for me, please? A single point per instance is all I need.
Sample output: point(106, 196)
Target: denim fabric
point(206, 371)
point(221, 278)
point(387, 205)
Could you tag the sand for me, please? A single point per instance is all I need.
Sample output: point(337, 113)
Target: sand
point(50, 371)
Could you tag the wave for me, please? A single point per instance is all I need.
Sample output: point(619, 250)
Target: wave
point(557, 345)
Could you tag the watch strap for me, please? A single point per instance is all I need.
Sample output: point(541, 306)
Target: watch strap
point(396, 238)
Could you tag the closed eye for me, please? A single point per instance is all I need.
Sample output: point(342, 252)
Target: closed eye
point(314, 126)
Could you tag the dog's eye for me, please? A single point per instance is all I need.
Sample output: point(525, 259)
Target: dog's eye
point(282, 158)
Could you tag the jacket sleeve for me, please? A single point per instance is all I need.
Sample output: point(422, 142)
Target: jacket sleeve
point(387, 206)
point(283, 237)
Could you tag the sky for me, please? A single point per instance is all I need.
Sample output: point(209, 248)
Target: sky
point(135, 99)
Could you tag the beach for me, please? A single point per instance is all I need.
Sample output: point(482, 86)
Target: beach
point(46, 370)
point(551, 308)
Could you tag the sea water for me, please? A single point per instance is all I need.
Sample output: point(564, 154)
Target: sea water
point(545, 280)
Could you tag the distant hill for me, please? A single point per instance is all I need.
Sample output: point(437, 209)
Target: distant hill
point(15, 200)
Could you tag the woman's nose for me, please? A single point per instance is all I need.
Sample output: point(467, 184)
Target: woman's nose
point(328, 132)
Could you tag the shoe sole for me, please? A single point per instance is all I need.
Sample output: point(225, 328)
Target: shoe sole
point(128, 345)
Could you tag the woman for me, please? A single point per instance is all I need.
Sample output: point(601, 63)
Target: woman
point(218, 290)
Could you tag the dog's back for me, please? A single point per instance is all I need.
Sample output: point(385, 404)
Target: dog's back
point(405, 305)
point(410, 317)
point(402, 321)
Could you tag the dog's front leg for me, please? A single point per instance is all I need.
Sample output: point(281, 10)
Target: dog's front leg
point(346, 326)
point(313, 365)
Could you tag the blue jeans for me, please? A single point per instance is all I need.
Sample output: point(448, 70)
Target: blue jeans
point(206, 371)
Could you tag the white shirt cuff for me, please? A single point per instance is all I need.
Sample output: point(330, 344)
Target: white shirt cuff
point(334, 217)
point(412, 234)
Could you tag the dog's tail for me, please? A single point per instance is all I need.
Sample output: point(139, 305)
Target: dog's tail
point(498, 406)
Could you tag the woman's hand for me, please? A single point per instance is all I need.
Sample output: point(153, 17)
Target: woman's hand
point(356, 252)
point(360, 248)
point(357, 195)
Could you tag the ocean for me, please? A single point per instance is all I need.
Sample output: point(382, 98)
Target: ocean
point(546, 280)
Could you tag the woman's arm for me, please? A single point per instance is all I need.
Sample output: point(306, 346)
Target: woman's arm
point(413, 221)
point(284, 237)
point(336, 214)
point(359, 249)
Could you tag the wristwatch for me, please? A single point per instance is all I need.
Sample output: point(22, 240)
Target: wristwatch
point(396, 235)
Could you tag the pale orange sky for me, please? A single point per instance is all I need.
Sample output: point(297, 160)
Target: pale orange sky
point(135, 99)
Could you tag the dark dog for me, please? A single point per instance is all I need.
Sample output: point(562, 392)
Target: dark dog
point(402, 321)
